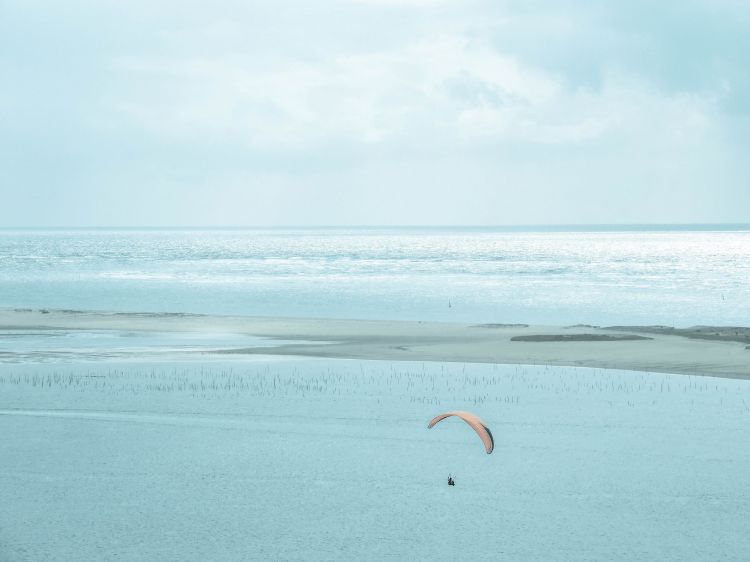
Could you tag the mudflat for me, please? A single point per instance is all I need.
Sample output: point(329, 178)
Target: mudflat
point(698, 350)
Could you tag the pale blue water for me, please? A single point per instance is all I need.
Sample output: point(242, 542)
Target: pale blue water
point(593, 275)
point(332, 460)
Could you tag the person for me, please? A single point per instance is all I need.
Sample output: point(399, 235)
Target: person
point(451, 482)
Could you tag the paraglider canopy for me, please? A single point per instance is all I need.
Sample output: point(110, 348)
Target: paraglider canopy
point(474, 422)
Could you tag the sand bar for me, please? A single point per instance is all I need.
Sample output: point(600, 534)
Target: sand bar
point(700, 350)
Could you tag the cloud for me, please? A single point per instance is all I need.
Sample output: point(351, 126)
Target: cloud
point(470, 111)
point(451, 90)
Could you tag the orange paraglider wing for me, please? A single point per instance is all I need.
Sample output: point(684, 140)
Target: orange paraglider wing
point(474, 422)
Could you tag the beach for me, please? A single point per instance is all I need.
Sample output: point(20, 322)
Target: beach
point(707, 350)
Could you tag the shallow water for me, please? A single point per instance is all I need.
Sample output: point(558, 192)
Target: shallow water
point(299, 459)
point(58, 345)
point(477, 275)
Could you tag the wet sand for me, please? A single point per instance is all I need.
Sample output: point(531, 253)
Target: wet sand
point(698, 350)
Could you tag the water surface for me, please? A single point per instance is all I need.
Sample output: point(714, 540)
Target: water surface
point(599, 276)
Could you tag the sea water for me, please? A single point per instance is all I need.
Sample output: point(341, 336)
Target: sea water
point(604, 275)
point(329, 460)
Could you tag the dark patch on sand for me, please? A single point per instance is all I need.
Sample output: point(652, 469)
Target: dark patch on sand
point(578, 337)
point(716, 333)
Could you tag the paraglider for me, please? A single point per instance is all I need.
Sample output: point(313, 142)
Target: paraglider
point(474, 422)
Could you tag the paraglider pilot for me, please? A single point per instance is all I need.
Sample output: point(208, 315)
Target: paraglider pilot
point(476, 424)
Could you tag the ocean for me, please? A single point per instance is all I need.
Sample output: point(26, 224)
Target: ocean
point(135, 445)
point(599, 275)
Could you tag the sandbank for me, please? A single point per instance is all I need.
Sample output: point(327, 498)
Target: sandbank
point(698, 350)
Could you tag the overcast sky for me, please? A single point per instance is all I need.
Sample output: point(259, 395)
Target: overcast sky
point(373, 112)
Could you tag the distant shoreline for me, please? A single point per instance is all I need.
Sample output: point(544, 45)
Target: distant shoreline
point(700, 350)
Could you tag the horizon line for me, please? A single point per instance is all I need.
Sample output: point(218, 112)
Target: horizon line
point(661, 225)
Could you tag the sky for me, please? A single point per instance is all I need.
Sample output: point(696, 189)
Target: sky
point(373, 112)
